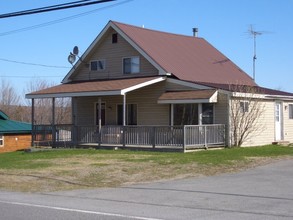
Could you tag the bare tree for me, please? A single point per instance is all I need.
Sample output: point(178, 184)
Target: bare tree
point(9, 100)
point(43, 106)
point(246, 109)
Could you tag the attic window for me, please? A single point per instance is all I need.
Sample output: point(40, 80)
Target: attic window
point(114, 38)
point(98, 65)
point(131, 65)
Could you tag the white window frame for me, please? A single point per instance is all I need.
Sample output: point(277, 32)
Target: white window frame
point(244, 106)
point(1, 140)
point(290, 110)
point(100, 61)
point(133, 69)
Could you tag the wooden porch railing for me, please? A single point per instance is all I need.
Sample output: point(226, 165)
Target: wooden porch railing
point(175, 137)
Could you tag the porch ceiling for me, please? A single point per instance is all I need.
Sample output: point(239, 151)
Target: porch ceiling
point(95, 88)
point(195, 96)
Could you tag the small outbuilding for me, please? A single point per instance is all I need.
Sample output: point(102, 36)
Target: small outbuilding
point(14, 135)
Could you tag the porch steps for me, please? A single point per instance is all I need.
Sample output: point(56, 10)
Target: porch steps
point(282, 143)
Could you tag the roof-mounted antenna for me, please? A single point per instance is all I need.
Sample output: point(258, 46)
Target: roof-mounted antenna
point(254, 33)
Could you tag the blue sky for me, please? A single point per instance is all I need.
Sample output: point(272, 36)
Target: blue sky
point(223, 23)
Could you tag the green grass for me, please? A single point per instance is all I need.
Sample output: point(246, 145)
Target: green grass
point(41, 159)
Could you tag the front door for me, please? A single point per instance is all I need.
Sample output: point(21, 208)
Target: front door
point(278, 121)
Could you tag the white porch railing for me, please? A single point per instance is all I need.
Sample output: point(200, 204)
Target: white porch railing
point(175, 137)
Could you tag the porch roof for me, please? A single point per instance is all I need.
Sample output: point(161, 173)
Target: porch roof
point(196, 96)
point(95, 88)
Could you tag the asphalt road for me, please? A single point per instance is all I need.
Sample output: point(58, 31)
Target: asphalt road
point(262, 193)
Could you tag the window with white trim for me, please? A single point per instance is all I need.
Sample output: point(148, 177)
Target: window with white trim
point(1, 140)
point(290, 111)
point(131, 65)
point(97, 65)
point(244, 107)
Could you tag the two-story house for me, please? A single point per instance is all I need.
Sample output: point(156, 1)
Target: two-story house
point(139, 87)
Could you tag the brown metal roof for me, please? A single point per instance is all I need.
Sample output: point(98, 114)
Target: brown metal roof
point(188, 58)
point(168, 97)
point(88, 88)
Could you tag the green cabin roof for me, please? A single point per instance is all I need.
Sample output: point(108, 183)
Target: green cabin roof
point(8, 126)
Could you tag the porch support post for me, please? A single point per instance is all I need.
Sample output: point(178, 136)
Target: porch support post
point(53, 123)
point(100, 114)
point(172, 114)
point(200, 113)
point(124, 109)
point(33, 123)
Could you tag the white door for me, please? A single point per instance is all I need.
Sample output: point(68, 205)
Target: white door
point(278, 121)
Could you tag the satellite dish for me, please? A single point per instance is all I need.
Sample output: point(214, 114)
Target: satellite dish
point(75, 50)
point(71, 58)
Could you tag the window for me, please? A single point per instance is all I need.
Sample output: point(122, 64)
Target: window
point(207, 113)
point(189, 114)
point(290, 111)
point(244, 106)
point(185, 114)
point(131, 65)
point(114, 38)
point(98, 65)
point(131, 114)
point(1, 140)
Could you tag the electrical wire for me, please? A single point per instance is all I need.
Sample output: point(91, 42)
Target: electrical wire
point(61, 20)
point(51, 8)
point(34, 64)
point(29, 77)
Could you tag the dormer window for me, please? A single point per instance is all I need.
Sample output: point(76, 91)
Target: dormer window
point(97, 65)
point(114, 38)
point(131, 65)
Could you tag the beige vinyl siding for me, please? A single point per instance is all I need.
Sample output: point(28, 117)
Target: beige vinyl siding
point(113, 55)
point(149, 112)
point(265, 130)
point(221, 109)
point(288, 123)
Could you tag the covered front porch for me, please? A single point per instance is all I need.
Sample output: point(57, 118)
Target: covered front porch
point(177, 138)
point(131, 113)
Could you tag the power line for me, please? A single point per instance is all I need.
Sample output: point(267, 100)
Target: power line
point(29, 77)
point(52, 8)
point(60, 20)
point(34, 64)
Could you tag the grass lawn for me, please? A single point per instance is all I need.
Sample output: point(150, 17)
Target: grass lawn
point(79, 168)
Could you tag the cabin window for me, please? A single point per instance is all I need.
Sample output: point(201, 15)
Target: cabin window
point(290, 111)
point(244, 107)
point(114, 38)
point(98, 65)
point(131, 114)
point(185, 114)
point(1, 140)
point(130, 65)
